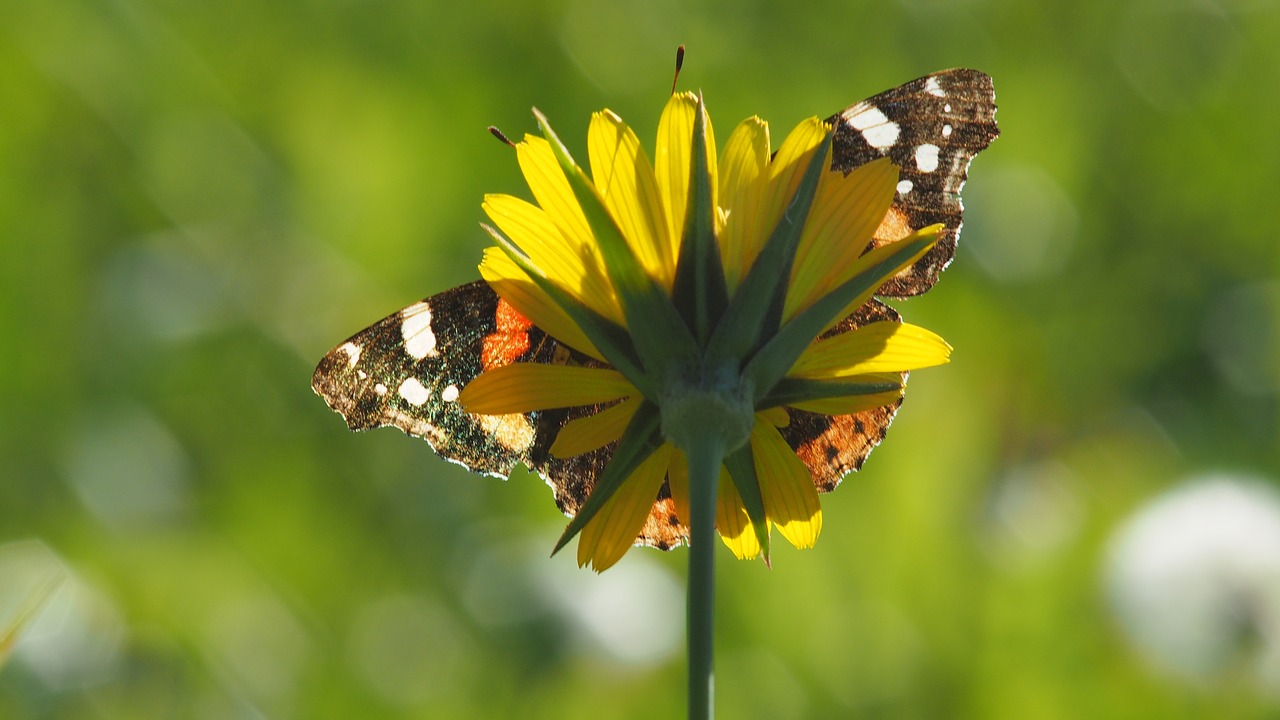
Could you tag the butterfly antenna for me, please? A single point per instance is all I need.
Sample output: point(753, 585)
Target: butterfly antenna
point(494, 131)
point(679, 64)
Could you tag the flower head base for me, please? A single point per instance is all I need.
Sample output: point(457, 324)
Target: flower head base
point(713, 301)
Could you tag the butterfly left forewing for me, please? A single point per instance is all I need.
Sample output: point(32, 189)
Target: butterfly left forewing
point(407, 369)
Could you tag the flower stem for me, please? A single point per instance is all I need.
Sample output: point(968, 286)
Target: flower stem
point(705, 458)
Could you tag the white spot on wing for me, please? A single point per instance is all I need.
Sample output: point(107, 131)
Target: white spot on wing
point(449, 394)
point(414, 392)
point(362, 374)
point(946, 108)
point(353, 353)
point(932, 87)
point(380, 389)
point(904, 186)
point(514, 432)
point(879, 131)
point(946, 130)
point(419, 340)
point(419, 427)
point(927, 157)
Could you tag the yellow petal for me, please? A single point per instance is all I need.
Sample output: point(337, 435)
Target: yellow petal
point(877, 255)
point(732, 521)
point(775, 416)
point(626, 183)
point(849, 404)
point(513, 285)
point(525, 387)
point(846, 211)
point(595, 431)
point(613, 530)
point(551, 189)
point(566, 263)
point(744, 172)
point(671, 161)
point(879, 347)
point(790, 498)
point(785, 172)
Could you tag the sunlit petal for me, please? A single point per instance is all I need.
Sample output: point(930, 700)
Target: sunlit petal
point(513, 285)
point(525, 387)
point(551, 189)
point(775, 416)
point(671, 161)
point(744, 173)
point(625, 180)
point(614, 529)
point(732, 521)
point(876, 256)
point(845, 212)
point(879, 347)
point(785, 172)
point(790, 498)
point(564, 262)
point(849, 404)
point(595, 431)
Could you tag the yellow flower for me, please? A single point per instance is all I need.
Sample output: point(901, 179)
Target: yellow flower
point(555, 265)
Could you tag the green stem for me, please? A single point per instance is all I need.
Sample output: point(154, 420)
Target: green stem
point(705, 458)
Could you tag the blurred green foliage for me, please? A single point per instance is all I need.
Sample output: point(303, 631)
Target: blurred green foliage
point(199, 199)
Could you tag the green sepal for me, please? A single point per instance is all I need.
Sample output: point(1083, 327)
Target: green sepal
point(638, 442)
point(742, 470)
point(699, 291)
point(756, 309)
point(789, 391)
point(780, 353)
point(610, 339)
point(661, 337)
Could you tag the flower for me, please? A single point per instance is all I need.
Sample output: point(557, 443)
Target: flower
point(1193, 577)
point(698, 286)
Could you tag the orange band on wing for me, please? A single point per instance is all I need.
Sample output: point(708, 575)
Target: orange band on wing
point(508, 341)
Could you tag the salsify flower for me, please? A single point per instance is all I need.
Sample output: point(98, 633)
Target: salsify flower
point(713, 296)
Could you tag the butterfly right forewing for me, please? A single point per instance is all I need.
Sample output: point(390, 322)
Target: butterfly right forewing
point(931, 128)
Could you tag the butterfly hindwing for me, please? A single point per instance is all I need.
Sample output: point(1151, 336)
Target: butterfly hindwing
point(833, 446)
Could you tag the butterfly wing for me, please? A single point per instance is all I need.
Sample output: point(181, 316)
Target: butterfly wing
point(406, 370)
point(931, 128)
point(833, 446)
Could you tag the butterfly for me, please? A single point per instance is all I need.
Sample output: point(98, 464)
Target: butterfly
point(407, 370)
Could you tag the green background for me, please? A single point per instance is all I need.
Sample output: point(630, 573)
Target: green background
point(197, 200)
